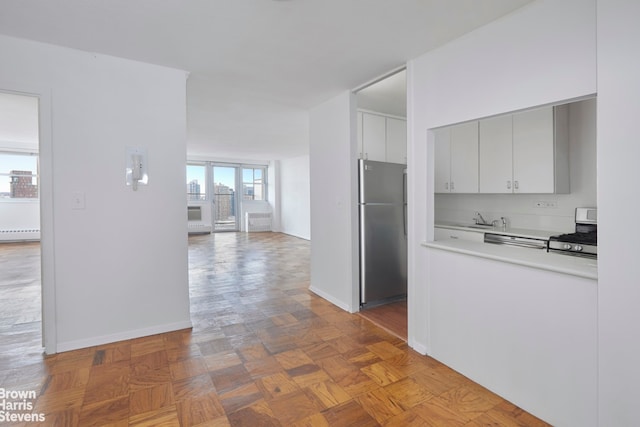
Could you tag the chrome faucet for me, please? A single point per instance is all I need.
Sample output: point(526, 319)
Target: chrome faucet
point(479, 220)
point(503, 221)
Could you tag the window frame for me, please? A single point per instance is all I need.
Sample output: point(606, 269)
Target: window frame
point(262, 182)
point(203, 195)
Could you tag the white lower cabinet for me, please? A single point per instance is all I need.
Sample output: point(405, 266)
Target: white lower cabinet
point(449, 233)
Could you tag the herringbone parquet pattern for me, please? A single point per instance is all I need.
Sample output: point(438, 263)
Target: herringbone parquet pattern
point(263, 351)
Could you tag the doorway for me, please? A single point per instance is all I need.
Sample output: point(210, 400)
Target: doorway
point(225, 199)
point(21, 282)
point(382, 137)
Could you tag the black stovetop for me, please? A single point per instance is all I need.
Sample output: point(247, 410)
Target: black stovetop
point(590, 238)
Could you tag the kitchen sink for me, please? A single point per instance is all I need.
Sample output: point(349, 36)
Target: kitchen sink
point(480, 226)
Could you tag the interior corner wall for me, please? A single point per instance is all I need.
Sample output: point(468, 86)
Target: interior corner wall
point(120, 262)
point(295, 215)
point(332, 154)
point(618, 204)
point(273, 195)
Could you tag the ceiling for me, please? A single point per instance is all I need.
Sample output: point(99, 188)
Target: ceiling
point(256, 66)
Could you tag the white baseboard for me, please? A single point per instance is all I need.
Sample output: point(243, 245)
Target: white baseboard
point(340, 304)
point(419, 347)
point(122, 336)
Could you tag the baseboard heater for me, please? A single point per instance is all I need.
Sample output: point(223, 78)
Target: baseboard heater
point(19, 234)
point(257, 221)
point(198, 228)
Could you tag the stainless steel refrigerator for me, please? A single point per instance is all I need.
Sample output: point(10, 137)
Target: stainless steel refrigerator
point(382, 210)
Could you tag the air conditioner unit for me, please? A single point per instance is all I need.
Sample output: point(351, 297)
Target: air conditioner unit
point(194, 221)
point(257, 221)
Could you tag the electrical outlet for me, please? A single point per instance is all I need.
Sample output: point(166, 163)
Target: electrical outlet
point(544, 204)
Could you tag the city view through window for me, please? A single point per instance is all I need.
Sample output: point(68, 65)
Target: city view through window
point(224, 180)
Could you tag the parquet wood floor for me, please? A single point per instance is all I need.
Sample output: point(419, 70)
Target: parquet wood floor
point(264, 351)
point(391, 317)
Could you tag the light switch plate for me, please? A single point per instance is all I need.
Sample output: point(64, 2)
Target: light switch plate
point(77, 201)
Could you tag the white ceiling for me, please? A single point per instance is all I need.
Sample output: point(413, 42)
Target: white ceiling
point(256, 66)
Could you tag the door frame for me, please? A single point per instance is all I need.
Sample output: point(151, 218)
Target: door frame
point(46, 197)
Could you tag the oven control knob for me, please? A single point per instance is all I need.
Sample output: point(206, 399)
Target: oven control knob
point(578, 248)
point(567, 246)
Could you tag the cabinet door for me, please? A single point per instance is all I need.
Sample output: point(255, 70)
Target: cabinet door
point(495, 148)
point(396, 140)
point(374, 137)
point(533, 151)
point(464, 158)
point(442, 159)
point(447, 233)
point(359, 124)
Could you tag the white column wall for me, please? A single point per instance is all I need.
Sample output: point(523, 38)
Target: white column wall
point(334, 221)
point(116, 269)
point(618, 204)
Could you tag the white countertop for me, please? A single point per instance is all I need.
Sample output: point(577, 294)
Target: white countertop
point(509, 231)
point(536, 258)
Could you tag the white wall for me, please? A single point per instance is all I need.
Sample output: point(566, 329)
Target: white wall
point(618, 204)
point(541, 54)
point(120, 264)
point(527, 334)
point(520, 208)
point(273, 194)
point(332, 154)
point(295, 215)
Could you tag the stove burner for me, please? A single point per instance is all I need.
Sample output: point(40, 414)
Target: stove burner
point(590, 238)
point(584, 242)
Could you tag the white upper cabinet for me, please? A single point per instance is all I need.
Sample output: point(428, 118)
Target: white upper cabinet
point(456, 159)
point(525, 152)
point(374, 135)
point(541, 151)
point(496, 155)
point(382, 138)
point(442, 159)
point(396, 140)
point(360, 143)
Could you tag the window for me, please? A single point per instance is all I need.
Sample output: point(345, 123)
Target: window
point(196, 182)
point(253, 183)
point(18, 175)
point(206, 179)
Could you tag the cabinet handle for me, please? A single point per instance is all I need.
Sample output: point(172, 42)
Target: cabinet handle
point(509, 185)
point(366, 156)
point(446, 185)
point(516, 185)
point(452, 186)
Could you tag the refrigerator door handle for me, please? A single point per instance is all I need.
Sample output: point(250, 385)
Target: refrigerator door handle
point(404, 202)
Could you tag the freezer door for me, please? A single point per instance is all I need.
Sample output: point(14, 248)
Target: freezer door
point(383, 252)
point(381, 182)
